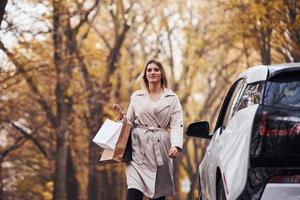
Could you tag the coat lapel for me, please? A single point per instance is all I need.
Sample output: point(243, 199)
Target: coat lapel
point(147, 105)
point(163, 102)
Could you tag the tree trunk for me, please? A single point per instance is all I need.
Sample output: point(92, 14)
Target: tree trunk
point(93, 174)
point(176, 178)
point(62, 138)
point(265, 47)
point(72, 182)
point(98, 183)
point(1, 183)
point(93, 121)
point(63, 59)
point(194, 181)
point(59, 192)
point(293, 9)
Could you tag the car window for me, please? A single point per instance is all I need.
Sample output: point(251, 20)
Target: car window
point(252, 95)
point(229, 112)
point(283, 91)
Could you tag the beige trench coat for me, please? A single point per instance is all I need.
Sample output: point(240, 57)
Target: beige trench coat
point(157, 128)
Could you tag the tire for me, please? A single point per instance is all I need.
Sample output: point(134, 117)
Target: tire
point(220, 191)
point(200, 197)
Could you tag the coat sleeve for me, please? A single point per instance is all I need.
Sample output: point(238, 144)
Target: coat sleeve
point(130, 112)
point(176, 126)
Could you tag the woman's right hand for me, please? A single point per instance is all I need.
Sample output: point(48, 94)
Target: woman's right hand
point(118, 109)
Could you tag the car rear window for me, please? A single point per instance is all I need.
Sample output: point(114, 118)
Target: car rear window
point(283, 90)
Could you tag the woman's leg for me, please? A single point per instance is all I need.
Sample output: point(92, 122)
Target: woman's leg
point(160, 198)
point(134, 194)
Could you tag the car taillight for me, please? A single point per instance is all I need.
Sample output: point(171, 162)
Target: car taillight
point(285, 179)
point(278, 126)
point(263, 126)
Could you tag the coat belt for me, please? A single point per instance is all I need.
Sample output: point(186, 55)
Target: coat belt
point(155, 140)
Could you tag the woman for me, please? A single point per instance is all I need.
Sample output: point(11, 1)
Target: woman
point(157, 136)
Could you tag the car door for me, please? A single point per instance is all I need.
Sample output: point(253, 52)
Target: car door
point(211, 160)
point(234, 137)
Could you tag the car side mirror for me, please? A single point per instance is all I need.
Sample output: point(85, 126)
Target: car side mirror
point(199, 129)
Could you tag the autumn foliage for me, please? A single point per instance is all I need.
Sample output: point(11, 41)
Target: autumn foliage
point(64, 63)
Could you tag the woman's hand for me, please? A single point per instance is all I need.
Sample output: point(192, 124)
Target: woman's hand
point(118, 109)
point(173, 152)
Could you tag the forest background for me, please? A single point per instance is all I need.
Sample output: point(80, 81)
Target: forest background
point(65, 62)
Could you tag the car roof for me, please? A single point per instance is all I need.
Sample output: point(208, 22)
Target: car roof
point(261, 72)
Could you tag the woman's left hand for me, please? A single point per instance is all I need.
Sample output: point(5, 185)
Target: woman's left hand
point(173, 152)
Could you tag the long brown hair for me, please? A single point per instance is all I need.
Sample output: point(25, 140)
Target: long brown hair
point(164, 82)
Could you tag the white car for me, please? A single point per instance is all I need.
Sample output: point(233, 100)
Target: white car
point(254, 150)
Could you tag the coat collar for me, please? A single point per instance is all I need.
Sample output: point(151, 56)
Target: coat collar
point(167, 92)
point(163, 103)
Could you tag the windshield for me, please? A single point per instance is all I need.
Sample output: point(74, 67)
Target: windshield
point(283, 90)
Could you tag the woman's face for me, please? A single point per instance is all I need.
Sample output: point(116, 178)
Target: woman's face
point(153, 73)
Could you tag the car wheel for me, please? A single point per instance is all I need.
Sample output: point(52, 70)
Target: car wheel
point(200, 197)
point(220, 191)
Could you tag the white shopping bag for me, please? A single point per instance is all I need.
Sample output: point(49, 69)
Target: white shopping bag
point(108, 134)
